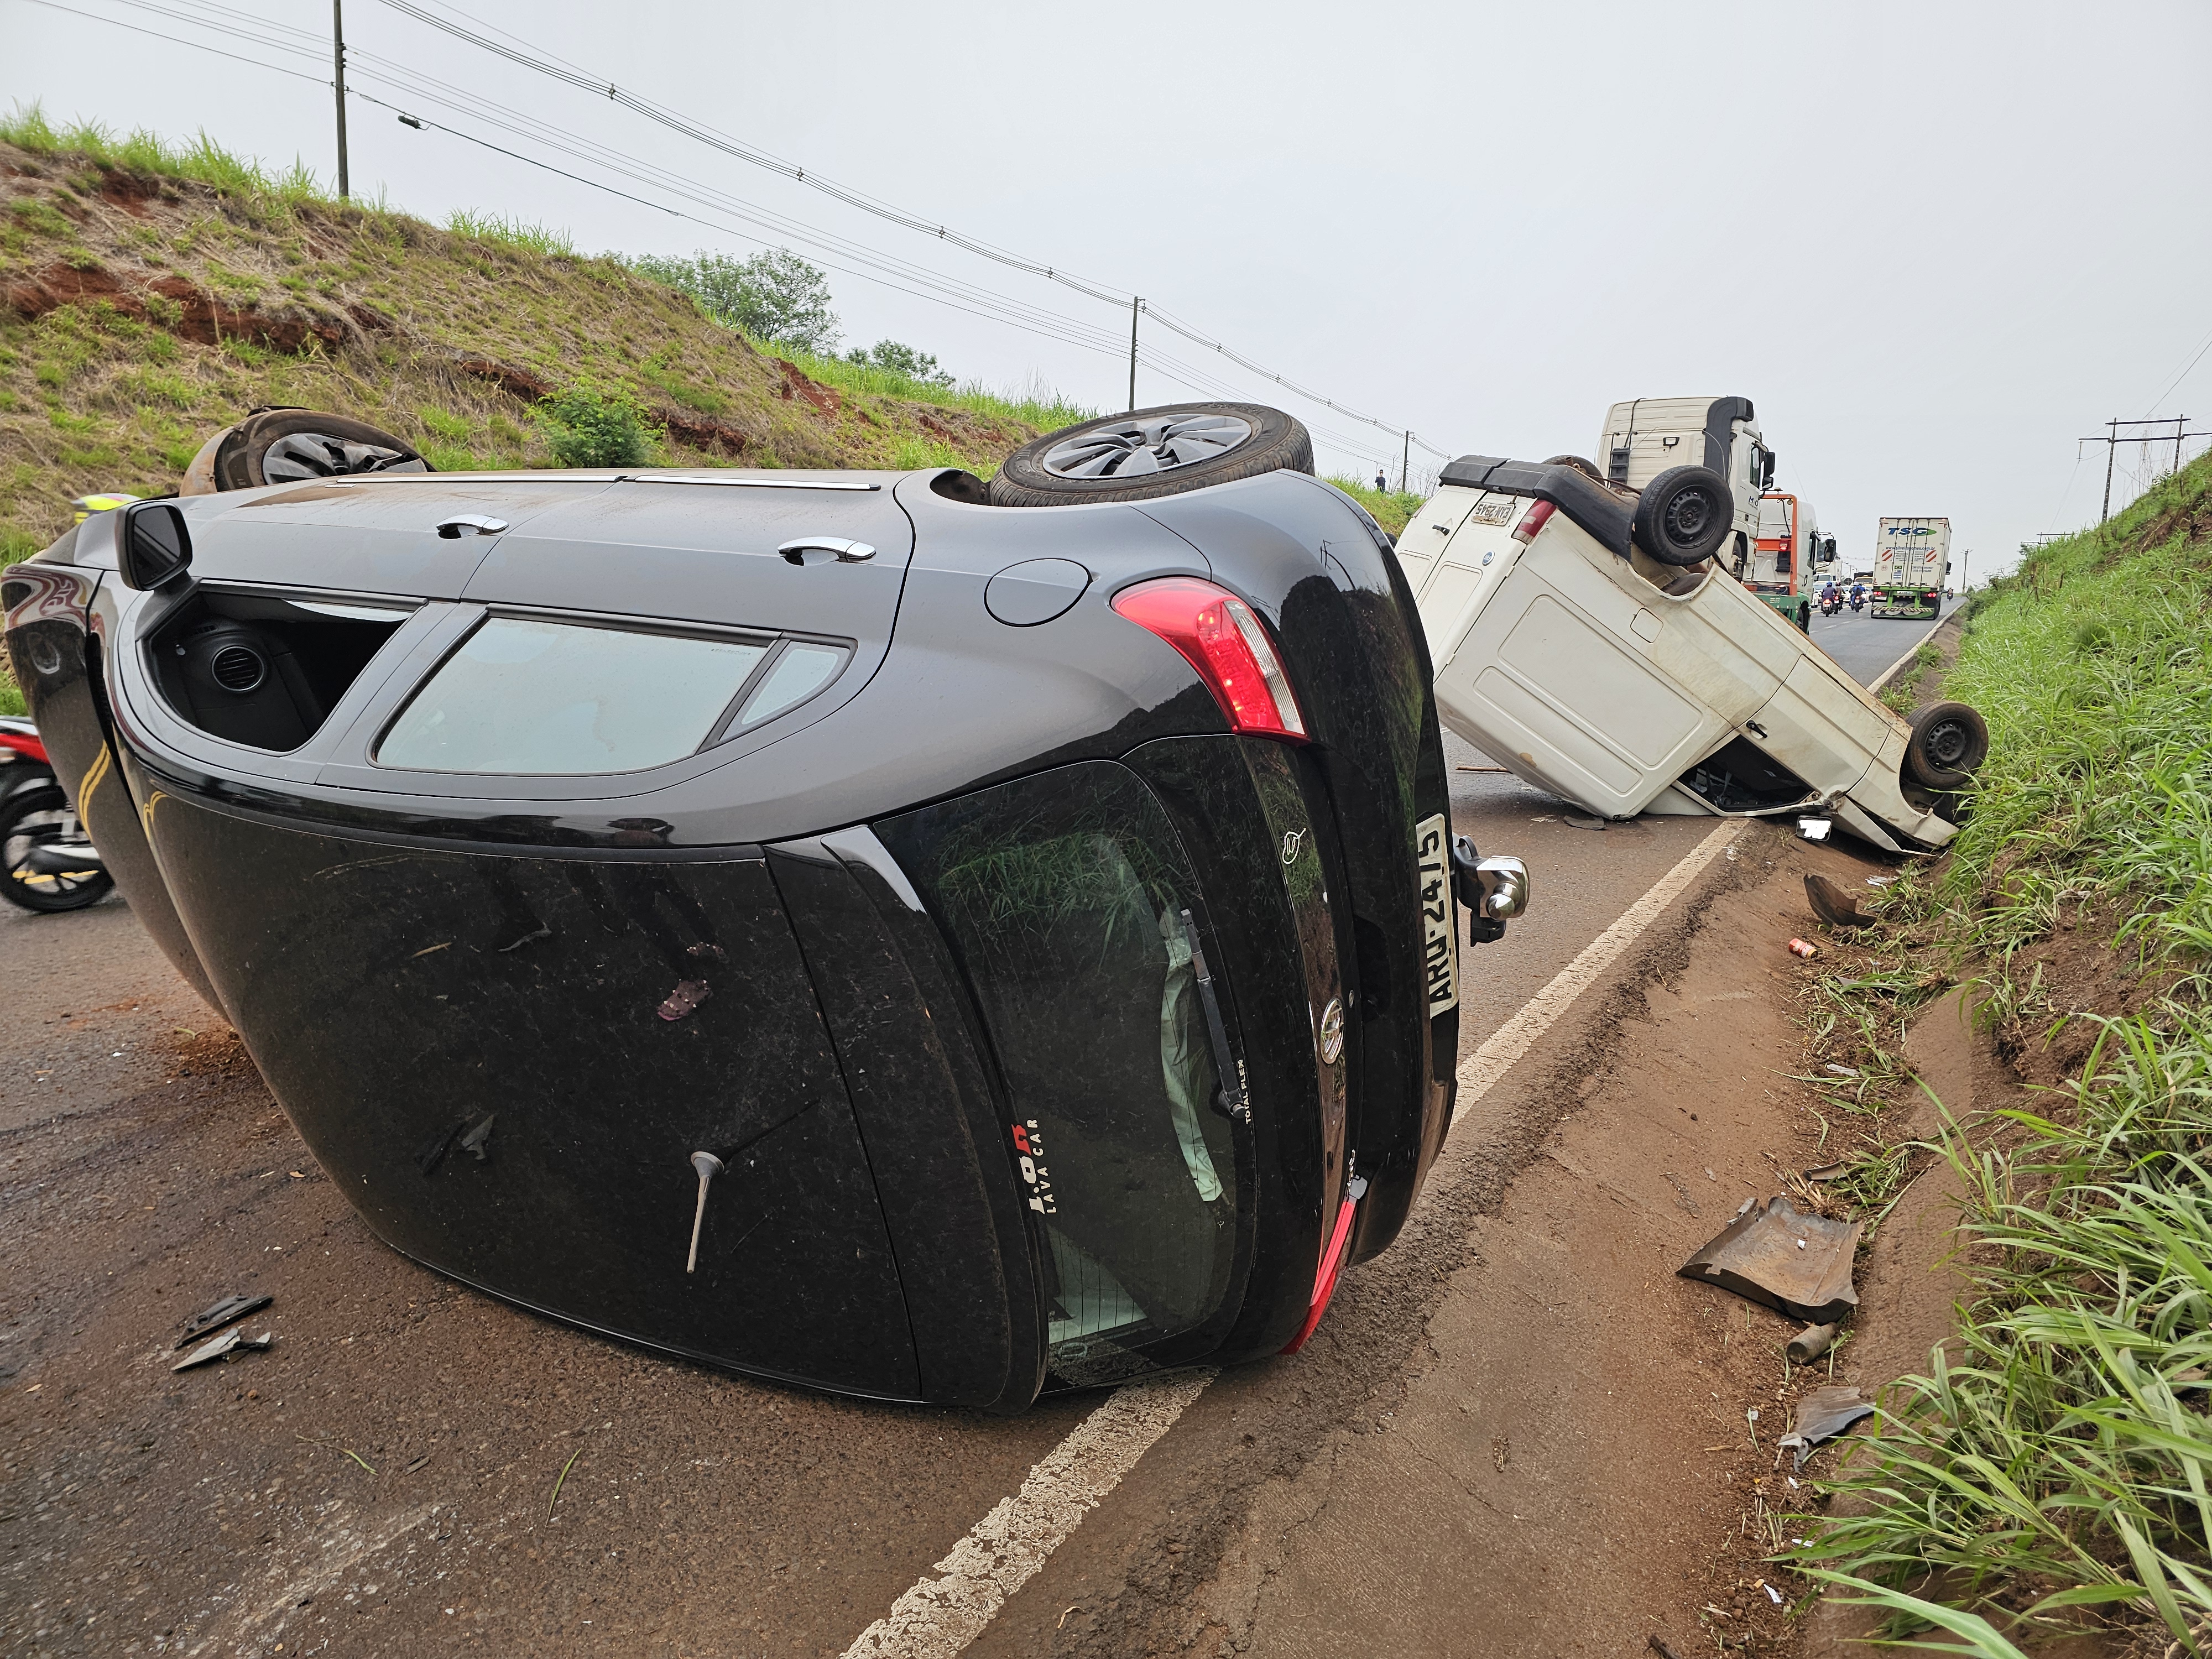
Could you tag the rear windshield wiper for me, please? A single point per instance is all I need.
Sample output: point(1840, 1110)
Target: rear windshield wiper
point(1235, 1098)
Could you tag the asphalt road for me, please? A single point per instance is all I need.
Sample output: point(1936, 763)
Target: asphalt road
point(1865, 645)
point(416, 1467)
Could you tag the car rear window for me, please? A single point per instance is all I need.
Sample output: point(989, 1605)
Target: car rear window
point(1065, 896)
point(562, 699)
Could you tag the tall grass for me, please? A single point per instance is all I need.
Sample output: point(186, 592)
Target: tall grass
point(2058, 1473)
point(511, 233)
point(202, 160)
point(1393, 509)
point(1036, 405)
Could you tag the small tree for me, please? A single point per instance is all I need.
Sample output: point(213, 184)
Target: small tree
point(900, 360)
point(588, 427)
point(775, 296)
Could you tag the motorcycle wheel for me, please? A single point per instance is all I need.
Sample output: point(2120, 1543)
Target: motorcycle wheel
point(39, 818)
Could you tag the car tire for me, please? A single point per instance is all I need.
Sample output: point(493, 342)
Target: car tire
point(296, 446)
point(28, 818)
point(1684, 516)
point(1579, 463)
point(1151, 453)
point(1949, 743)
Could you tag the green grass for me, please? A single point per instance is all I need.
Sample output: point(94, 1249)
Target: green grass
point(1392, 509)
point(2058, 1470)
point(1036, 405)
point(203, 160)
point(511, 233)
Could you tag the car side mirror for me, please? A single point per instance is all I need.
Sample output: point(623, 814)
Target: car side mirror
point(155, 549)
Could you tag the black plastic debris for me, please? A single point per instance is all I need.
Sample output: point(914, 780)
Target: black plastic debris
point(471, 1133)
point(1821, 1416)
point(1772, 1254)
point(227, 1311)
point(473, 1142)
point(223, 1346)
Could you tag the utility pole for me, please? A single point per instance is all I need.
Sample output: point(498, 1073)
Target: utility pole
point(1965, 568)
point(2111, 449)
point(337, 58)
point(1404, 461)
point(2111, 438)
point(1136, 305)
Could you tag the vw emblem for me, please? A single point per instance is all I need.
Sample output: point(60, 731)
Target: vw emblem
point(1292, 840)
point(1332, 1031)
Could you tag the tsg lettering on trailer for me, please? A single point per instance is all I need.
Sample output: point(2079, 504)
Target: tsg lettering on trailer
point(1029, 1147)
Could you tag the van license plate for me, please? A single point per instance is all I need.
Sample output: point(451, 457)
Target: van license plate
point(1439, 925)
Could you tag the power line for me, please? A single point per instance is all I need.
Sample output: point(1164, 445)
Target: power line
point(987, 305)
point(538, 62)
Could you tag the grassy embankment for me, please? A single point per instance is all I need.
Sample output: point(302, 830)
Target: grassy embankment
point(2055, 1473)
point(150, 294)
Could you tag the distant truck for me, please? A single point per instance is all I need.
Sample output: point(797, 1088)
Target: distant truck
point(1912, 562)
point(1789, 555)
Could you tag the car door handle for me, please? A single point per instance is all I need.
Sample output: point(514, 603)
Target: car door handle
point(470, 524)
point(820, 549)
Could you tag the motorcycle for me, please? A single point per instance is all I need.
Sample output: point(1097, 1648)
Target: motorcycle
point(1831, 603)
point(47, 862)
point(1857, 603)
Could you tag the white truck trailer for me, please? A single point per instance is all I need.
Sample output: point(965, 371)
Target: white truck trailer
point(1912, 562)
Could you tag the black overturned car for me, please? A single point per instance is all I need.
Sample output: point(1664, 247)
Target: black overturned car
point(913, 938)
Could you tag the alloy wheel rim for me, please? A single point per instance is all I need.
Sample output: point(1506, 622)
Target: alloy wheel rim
point(1132, 449)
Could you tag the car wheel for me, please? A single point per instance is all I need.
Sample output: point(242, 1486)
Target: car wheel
point(1151, 453)
point(1684, 516)
point(41, 818)
point(1948, 744)
point(291, 446)
point(1587, 468)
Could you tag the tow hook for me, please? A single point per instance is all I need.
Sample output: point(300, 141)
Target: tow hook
point(1494, 889)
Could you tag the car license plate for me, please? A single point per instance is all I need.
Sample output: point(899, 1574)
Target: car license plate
point(1503, 510)
point(1439, 925)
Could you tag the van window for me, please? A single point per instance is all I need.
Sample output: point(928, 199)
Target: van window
point(566, 699)
point(1064, 896)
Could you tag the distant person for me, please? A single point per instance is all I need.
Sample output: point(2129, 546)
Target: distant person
point(1382, 481)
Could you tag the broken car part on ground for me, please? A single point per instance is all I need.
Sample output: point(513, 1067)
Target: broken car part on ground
point(825, 924)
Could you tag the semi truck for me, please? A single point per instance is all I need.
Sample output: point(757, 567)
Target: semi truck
point(1789, 555)
point(1912, 562)
point(1646, 436)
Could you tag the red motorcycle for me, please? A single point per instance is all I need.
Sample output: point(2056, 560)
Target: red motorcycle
point(47, 860)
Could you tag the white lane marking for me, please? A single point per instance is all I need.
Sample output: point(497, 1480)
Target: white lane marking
point(939, 1617)
point(1890, 672)
point(1480, 1071)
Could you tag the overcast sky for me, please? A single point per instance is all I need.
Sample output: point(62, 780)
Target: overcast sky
point(1933, 243)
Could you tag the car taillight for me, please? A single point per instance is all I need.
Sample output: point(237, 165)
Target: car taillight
point(1218, 635)
point(1534, 520)
point(1332, 1268)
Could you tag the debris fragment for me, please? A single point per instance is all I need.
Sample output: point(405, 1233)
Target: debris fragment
point(1577, 821)
point(473, 1142)
point(1821, 1416)
point(1810, 1343)
point(1835, 904)
point(227, 1311)
point(1800, 948)
point(1814, 828)
point(1834, 1070)
point(1826, 1172)
point(1772, 1254)
point(1880, 881)
point(219, 1347)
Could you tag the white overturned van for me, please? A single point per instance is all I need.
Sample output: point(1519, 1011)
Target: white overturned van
point(1584, 636)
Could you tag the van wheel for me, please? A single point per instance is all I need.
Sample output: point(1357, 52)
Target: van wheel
point(292, 445)
point(1151, 452)
point(1576, 463)
point(1948, 744)
point(1684, 516)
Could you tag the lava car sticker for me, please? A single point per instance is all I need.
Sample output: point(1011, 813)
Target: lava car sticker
point(1030, 1148)
point(1440, 937)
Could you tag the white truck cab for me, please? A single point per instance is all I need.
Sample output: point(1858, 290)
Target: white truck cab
point(1646, 436)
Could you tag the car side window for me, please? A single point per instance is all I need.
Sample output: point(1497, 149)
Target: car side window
point(527, 696)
